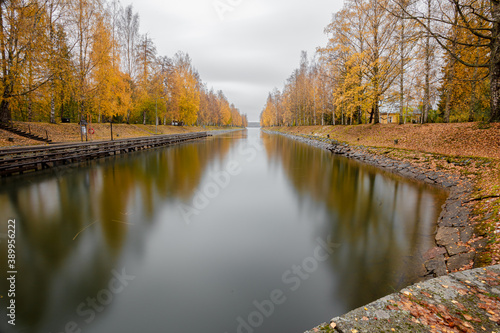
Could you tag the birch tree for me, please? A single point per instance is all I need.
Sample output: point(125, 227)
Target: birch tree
point(480, 18)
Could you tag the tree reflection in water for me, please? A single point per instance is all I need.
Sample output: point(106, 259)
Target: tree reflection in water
point(383, 222)
point(72, 222)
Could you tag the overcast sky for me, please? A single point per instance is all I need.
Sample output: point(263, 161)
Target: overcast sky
point(243, 47)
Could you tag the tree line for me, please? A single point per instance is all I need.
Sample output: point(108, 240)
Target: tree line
point(419, 60)
point(87, 60)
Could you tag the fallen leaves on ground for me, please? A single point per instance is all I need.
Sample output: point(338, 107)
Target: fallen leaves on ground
point(437, 317)
point(462, 139)
point(441, 318)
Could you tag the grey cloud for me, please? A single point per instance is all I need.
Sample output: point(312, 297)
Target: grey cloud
point(254, 49)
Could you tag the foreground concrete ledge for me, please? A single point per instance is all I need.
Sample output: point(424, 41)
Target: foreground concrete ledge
point(454, 229)
point(467, 301)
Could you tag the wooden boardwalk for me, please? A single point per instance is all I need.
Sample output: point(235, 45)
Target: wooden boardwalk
point(26, 159)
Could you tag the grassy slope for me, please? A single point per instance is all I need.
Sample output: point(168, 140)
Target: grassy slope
point(471, 150)
point(71, 132)
point(464, 139)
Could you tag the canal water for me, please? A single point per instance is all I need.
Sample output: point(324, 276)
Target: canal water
point(242, 232)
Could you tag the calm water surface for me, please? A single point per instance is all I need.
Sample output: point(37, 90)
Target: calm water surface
point(243, 232)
